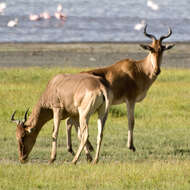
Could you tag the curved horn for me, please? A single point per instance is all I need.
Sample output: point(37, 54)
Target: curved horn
point(14, 120)
point(25, 115)
point(148, 35)
point(166, 36)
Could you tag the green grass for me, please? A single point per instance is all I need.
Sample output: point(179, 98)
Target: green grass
point(162, 159)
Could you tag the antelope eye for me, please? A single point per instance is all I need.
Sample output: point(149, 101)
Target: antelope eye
point(152, 50)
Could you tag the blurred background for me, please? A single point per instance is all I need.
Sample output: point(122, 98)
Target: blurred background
point(93, 21)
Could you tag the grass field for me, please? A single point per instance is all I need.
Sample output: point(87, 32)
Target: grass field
point(162, 129)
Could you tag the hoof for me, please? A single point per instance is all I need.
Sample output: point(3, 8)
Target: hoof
point(23, 161)
point(70, 150)
point(132, 148)
point(88, 158)
point(90, 147)
point(95, 162)
point(74, 162)
point(51, 161)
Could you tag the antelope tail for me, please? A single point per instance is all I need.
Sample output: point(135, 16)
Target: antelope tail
point(107, 100)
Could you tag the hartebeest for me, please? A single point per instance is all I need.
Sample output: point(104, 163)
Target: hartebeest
point(76, 96)
point(129, 80)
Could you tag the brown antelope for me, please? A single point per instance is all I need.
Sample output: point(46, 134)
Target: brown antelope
point(76, 96)
point(129, 80)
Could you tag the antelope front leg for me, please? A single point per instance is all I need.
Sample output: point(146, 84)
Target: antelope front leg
point(56, 120)
point(131, 123)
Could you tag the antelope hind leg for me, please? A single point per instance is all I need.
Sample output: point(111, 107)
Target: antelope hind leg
point(101, 123)
point(83, 135)
point(69, 123)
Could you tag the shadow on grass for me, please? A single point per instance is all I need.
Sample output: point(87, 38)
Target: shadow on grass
point(181, 151)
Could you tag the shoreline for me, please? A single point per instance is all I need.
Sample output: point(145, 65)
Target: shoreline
point(91, 54)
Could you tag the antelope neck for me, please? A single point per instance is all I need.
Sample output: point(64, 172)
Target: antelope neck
point(153, 61)
point(152, 65)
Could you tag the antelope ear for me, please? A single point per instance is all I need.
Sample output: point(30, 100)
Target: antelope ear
point(144, 46)
point(147, 47)
point(169, 47)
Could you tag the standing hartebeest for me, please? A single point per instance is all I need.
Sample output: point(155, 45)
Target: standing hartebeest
point(129, 81)
point(76, 96)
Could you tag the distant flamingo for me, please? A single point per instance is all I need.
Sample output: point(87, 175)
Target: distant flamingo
point(45, 15)
point(140, 25)
point(34, 17)
point(12, 23)
point(152, 5)
point(59, 8)
point(60, 16)
point(2, 7)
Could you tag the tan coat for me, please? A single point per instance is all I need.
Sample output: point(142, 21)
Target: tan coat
point(77, 96)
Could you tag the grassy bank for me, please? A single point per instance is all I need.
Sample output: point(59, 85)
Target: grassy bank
point(137, 176)
point(162, 159)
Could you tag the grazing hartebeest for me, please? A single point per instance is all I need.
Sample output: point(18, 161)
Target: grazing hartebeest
point(76, 96)
point(129, 80)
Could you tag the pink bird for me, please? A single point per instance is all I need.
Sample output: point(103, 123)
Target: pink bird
point(12, 23)
point(34, 17)
point(60, 16)
point(2, 7)
point(59, 8)
point(45, 15)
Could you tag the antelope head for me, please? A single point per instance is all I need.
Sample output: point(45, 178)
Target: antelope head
point(22, 134)
point(156, 49)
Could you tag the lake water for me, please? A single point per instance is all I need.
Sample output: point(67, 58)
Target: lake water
point(95, 20)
